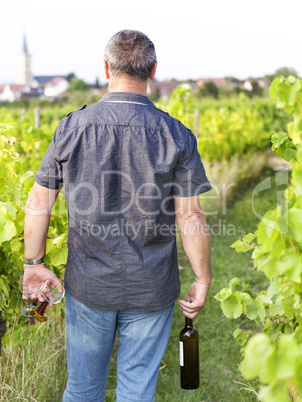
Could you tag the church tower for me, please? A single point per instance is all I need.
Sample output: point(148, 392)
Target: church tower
point(24, 69)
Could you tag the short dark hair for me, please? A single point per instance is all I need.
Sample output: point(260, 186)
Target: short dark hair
point(130, 52)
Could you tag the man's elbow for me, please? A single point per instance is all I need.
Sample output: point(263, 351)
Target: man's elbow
point(37, 204)
point(193, 223)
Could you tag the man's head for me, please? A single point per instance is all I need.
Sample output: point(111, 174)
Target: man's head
point(132, 53)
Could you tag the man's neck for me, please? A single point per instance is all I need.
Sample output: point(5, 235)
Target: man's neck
point(126, 83)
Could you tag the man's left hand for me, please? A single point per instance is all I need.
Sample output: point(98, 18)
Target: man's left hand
point(195, 300)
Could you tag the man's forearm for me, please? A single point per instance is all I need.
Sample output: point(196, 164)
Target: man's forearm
point(196, 241)
point(195, 237)
point(36, 223)
point(35, 234)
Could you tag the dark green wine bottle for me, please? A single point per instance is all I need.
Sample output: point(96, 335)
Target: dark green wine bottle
point(189, 356)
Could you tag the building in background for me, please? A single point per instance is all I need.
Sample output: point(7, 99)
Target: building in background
point(51, 87)
point(217, 81)
point(10, 92)
point(24, 75)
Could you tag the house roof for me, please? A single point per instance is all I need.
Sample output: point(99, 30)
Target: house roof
point(43, 79)
point(164, 86)
point(217, 81)
point(13, 87)
point(55, 80)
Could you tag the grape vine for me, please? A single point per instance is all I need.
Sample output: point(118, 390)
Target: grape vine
point(274, 354)
point(16, 157)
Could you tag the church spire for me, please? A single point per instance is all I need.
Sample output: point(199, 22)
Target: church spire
point(25, 49)
point(24, 76)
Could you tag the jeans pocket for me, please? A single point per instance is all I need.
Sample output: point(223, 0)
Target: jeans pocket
point(83, 309)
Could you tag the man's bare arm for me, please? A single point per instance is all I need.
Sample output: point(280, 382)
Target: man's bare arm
point(37, 216)
point(195, 237)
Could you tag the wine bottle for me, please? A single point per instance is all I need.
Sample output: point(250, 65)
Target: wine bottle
point(39, 313)
point(189, 356)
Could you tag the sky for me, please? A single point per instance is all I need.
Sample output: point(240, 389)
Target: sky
point(193, 38)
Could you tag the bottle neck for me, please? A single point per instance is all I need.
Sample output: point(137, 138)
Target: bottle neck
point(189, 322)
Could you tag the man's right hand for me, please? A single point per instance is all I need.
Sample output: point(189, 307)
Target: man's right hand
point(44, 274)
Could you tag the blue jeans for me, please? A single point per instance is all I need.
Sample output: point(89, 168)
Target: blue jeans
point(90, 334)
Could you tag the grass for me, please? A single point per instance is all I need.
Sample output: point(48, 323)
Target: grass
point(35, 369)
point(33, 360)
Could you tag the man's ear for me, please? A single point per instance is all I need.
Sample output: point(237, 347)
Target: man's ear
point(153, 71)
point(106, 70)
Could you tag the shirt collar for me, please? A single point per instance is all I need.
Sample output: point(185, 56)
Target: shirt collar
point(126, 97)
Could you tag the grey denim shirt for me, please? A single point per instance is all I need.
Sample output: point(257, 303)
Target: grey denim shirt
point(121, 162)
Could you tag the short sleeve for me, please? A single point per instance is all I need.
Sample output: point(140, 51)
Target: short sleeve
point(190, 177)
point(50, 171)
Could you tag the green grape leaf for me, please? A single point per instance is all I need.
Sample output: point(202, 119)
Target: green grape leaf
point(266, 234)
point(257, 351)
point(246, 299)
point(241, 337)
point(290, 224)
point(277, 391)
point(244, 244)
point(49, 245)
point(294, 274)
point(276, 331)
point(3, 215)
point(231, 307)
point(244, 286)
point(7, 231)
point(223, 294)
point(274, 87)
point(241, 246)
point(277, 307)
point(278, 139)
point(9, 209)
point(233, 282)
point(285, 360)
point(267, 326)
point(273, 289)
point(58, 256)
point(261, 302)
point(249, 237)
point(267, 262)
point(251, 312)
point(287, 261)
point(294, 90)
point(287, 150)
point(283, 96)
point(27, 186)
point(22, 178)
point(19, 222)
point(59, 240)
point(16, 245)
point(288, 306)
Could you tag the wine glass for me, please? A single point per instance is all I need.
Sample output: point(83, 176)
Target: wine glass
point(28, 289)
point(52, 295)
